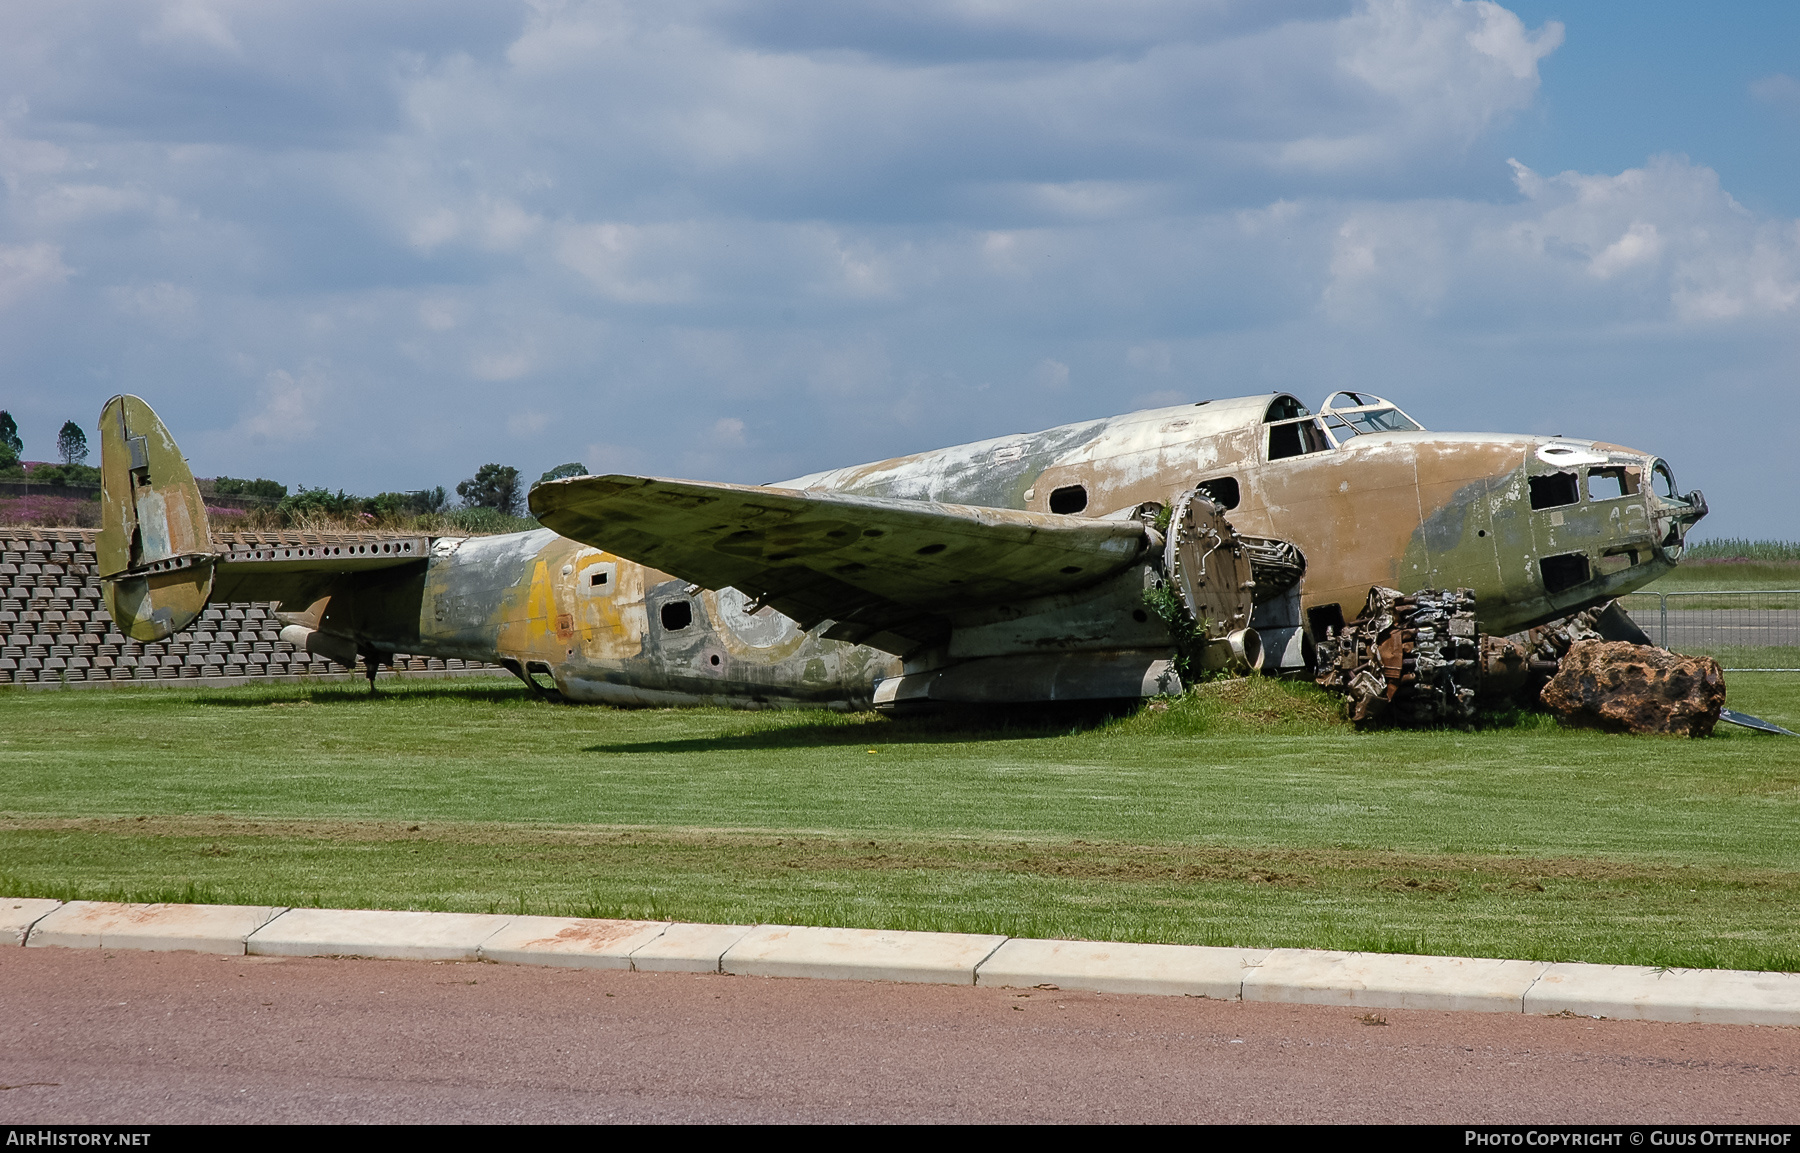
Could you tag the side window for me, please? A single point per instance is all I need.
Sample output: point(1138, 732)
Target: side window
point(1563, 572)
point(1554, 489)
point(1222, 491)
point(1611, 483)
point(598, 580)
point(1296, 438)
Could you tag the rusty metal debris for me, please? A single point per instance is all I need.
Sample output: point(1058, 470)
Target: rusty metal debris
point(1418, 659)
point(1410, 658)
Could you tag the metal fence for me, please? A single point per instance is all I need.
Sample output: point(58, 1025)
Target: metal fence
point(1745, 630)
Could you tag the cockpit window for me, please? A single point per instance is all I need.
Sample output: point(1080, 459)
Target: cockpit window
point(1296, 438)
point(1285, 408)
point(1352, 414)
point(1364, 420)
point(1663, 483)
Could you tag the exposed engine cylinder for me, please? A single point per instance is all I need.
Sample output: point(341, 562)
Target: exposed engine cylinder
point(1415, 659)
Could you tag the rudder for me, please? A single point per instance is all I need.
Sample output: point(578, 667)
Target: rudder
point(155, 549)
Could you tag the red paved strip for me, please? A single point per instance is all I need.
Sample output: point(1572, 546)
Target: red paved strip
point(181, 1037)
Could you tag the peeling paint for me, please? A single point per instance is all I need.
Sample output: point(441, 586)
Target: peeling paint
point(1021, 558)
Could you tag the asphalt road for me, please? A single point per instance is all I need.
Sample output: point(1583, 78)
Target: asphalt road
point(91, 1036)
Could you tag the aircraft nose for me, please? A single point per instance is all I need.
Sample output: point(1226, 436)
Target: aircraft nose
point(1675, 511)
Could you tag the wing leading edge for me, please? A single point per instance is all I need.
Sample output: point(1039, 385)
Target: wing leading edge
point(872, 565)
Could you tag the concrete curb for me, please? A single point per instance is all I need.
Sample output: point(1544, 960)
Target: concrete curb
point(570, 942)
point(860, 955)
point(1712, 996)
point(19, 914)
point(685, 948)
point(1392, 981)
point(1300, 976)
point(372, 933)
point(1111, 967)
point(159, 928)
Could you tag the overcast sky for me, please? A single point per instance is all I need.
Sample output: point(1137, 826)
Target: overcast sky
point(374, 245)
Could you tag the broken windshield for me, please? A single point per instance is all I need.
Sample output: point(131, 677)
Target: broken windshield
point(1359, 421)
point(1349, 414)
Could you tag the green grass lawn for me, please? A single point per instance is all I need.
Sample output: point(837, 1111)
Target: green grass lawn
point(1247, 815)
point(1693, 576)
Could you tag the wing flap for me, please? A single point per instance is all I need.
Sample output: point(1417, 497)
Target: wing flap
point(869, 562)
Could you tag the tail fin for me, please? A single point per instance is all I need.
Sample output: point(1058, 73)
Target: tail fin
point(155, 548)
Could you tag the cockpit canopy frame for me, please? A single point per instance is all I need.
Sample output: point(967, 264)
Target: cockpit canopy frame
point(1295, 431)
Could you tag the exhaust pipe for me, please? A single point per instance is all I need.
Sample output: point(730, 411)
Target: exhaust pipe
point(332, 648)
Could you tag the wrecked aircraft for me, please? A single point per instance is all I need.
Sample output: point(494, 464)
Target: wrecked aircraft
point(1010, 570)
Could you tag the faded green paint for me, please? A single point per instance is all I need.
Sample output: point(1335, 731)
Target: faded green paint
point(153, 550)
point(958, 559)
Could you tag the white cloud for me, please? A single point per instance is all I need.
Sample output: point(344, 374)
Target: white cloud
point(194, 21)
point(1661, 245)
point(438, 315)
point(1050, 374)
point(500, 366)
point(1778, 89)
point(850, 230)
point(433, 229)
point(1154, 357)
point(1641, 244)
point(608, 256)
point(288, 406)
point(158, 301)
point(28, 269)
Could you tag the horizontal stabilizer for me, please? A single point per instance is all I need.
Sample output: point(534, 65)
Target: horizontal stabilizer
point(299, 574)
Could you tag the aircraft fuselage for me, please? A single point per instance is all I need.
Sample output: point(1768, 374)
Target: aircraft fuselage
point(1537, 526)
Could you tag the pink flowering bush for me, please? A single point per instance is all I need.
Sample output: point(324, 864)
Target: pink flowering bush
point(50, 512)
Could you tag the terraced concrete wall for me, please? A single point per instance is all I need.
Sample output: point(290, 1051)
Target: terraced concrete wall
point(54, 627)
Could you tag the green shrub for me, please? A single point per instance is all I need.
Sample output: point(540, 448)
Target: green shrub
point(65, 474)
point(259, 488)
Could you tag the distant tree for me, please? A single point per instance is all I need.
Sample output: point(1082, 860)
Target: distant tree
point(564, 470)
point(9, 461)
point(9, 435)
point(66, 474)
point(258, 488)
point(494, 486)
point(71, 443)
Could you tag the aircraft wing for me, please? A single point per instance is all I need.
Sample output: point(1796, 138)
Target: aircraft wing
point(873, 565)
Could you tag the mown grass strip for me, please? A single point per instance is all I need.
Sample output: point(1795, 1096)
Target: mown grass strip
point(1562, 909)
point(1248, 814)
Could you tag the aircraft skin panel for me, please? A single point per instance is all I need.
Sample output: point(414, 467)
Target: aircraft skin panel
point(532, 598)
point(819, 555)
point(1404, 509)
